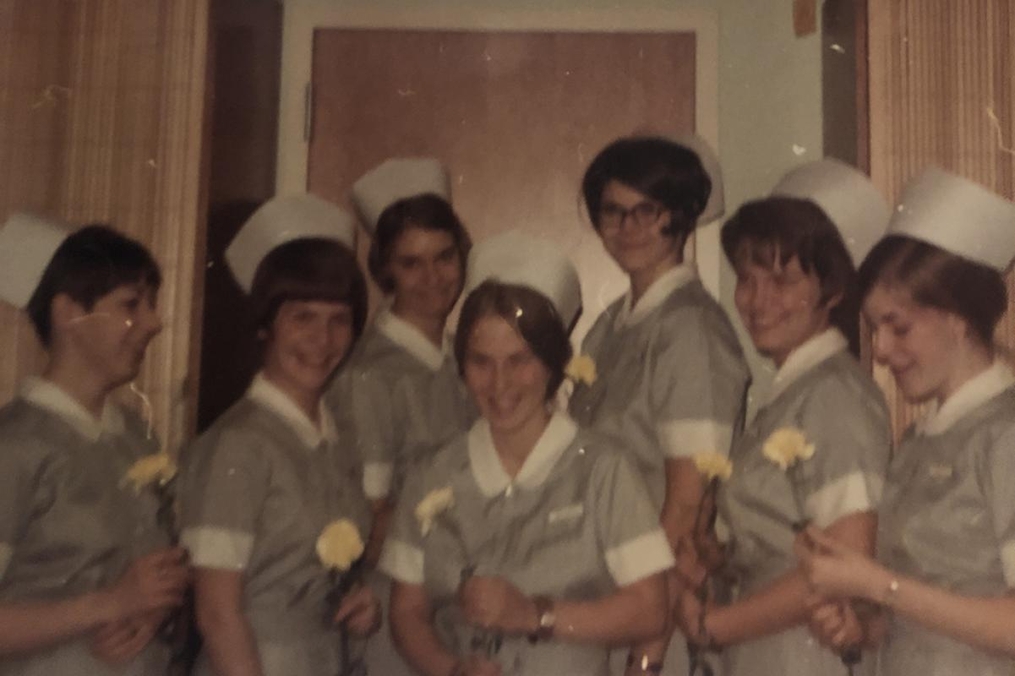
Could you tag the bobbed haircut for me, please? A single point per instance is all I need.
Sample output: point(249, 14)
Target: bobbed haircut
point(310, 268)
point(88, 265)
point(427, 211)
point(531, 314)
point(663, 170)
point(939, 279)
point(772, 231)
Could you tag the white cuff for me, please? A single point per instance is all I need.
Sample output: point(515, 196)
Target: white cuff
point(402, 561)
point(377, 479)
point(686, 438)
point(212, 547)
point(639, 557)
point(6, 554)
point(850, 494)
point(1008, 562)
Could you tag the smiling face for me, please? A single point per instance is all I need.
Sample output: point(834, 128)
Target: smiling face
point(112, 337)
point(631, 226)
point(781, 306)
point(426, 272)
point(506, 379)
point(920, 345)
point(307, 341)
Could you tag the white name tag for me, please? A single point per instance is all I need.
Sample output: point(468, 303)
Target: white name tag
point(569, 513)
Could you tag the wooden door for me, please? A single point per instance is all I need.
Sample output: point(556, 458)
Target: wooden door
point(516, 117)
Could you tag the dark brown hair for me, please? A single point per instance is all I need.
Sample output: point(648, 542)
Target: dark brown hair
point(772, 231)
point(939, 279)
point(667, 172)
point(533, 316)
point(89, 264)
point(308, 269)
point(427, 211)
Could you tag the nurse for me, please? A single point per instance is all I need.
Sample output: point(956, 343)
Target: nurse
point(794, 255)
point(86, 575)
point(264, 481)
point(400, 396)
point(527, 546)
point(672, 379)
point(933, 294)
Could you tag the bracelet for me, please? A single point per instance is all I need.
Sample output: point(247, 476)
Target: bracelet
point(644, 666)
point(890, 592)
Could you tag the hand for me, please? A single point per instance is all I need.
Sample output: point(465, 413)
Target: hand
point(157, 581)
point(689, 569)
point(687, 615)
point(119, 642)
point(360, 611)
point(495, 603)
point(836, 626)
point(833, 570)
point(474, 665)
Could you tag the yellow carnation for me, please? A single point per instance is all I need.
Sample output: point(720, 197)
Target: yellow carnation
point(435, 502)
point(713, 465)
point(786, 446)
point(581, 369)
point(339, 545)
point(155, 468)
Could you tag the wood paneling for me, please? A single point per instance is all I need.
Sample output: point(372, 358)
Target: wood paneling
point(102, 107)
point(942, 91)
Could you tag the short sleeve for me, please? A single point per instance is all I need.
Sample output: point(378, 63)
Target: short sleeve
point(634, 545)
point(402, 557)
point(996, 476)
point(225, 486)
point(851, 433)
point(698, 386)
point(364, 408)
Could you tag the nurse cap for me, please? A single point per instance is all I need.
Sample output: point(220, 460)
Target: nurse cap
point(959, 216)
point(847, 197)
point(281, 220)
point(515, 257)
point(716, 205)
point(27, 245)
point(396, 179)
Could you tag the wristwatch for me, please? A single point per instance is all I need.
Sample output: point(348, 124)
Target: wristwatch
point(546, 619)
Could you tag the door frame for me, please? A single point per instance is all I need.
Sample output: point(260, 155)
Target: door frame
point(302, 17)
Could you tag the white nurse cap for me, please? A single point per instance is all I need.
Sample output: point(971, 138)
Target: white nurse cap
point(27, 245)
point(515, 257)
point(959, 216)
point(397, 179)
point(847, 197)
point(716, 205)
point(281, 220)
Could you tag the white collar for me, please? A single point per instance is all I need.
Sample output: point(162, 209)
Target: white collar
point(266, 393)
point(48, 395)
point(489, 472)
point(973, 393)
point(655, 294)
point(411, 339)
point(806, 356)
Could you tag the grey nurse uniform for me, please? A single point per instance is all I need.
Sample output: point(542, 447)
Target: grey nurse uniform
point(574, 524)
point(69, 522)
point(259, 487)
point(948, 519)
point(824, 393)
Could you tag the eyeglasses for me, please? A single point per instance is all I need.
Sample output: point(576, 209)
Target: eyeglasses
point(643, 214)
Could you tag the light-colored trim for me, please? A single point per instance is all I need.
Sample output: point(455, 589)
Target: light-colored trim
point(1008, 563)
point(686, 438)
point(856, 492)
point(377, 479)
point(639, 557)
point(402, 561)
point(302, 17)
point(222, 548)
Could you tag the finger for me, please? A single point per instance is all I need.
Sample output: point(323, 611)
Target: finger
point(354, 603)
point(822, 543)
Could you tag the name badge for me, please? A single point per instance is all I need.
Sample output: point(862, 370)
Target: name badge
point(568, 513)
